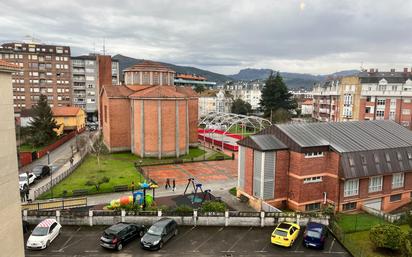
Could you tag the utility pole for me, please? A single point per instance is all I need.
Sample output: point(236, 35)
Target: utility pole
point(51, 174)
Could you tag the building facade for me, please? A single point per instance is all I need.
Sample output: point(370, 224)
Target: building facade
point(249, 92)
point(214, 101)
point(345, 164)
point(10, 209)
point(193, 81)
point(370, 95)
point(69, 118)
point(85, 82)
point(44, 69)
point(149, 115)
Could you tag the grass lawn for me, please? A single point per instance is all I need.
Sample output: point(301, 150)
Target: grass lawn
point(28, 148)
point(118, 171)
point(193, 153)
point(213, 156)
point(237, 129)
point(360, 245)
point(357, 222)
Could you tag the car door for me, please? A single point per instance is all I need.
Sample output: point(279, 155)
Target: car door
point(130, 233)
point(294, 233)
point(53, 231)
point(31, 178)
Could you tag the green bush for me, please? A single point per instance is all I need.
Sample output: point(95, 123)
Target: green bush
point(213, 206)
point(405, 245)
point(233, 191)
point(386, 236)
point(183, 209)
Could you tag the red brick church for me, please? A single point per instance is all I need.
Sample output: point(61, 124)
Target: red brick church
point(149, 116)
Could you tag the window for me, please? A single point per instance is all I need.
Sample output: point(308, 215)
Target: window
point(312, 207)
point(399, 155)
point(381, 102)
point(406, 111)
point(363, 159)
point(397, 180)
point(312, 180)
point(395, 198)
point(313, 154)
point(407, 101)
point(349, 206)
point(367, 110)
point(351, 187)
point(380, 113)
point(368, 99)
point(375, 184)
point(105, 113)
point(410, 155)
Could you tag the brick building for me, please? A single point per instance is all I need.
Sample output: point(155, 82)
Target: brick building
point(369, 95)
point(347, 164)
point(149, 115)
point(44, 69)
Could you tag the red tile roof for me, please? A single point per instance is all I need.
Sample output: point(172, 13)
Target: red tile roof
point(65, 111)
point(188, 91)
point(191, 77)
point(308, 102)
point(117, 91)
point(7, 65)
point(149, 66)
point(158, 92)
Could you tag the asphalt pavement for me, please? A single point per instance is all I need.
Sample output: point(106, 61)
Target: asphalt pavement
point(191, 241)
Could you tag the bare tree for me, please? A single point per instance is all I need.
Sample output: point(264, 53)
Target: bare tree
point(96, 146)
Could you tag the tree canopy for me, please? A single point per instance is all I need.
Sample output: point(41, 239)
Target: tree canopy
point(42, 126)
point(276, 97)
point(241, 107)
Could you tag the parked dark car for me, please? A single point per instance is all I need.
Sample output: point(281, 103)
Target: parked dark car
point(315, 235)
point(42, 171)
point(159, 233)
point(117, 235)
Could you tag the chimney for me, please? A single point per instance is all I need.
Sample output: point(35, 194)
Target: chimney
point(392, 70)
point(371, 70)
point(405, 70)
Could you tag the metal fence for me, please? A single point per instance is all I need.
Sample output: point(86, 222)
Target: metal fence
point(55, 180)
point(55, 204)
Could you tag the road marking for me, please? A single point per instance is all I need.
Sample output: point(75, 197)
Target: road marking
point(91, 251)
point(182, 235)
point(207, 240)
point(67, 241)
point(335, 252)
point(237, 241)
point(331, 245)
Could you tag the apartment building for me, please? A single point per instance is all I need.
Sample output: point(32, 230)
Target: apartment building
point(305, 166)
point(249, 92)
point(371, 95)
point(214, 101)
point(44, 69)
point(85, 82)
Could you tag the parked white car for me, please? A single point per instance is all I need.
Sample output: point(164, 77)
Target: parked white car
point(24, 181)
point(44, 233)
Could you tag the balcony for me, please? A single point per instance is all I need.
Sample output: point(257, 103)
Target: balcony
point(386, 93)
point(79, 79)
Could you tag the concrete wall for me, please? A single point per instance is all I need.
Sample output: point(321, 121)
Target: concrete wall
point(257, 219)
point(11, 225)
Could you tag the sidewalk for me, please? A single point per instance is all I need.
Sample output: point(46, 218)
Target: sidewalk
point(65, 165)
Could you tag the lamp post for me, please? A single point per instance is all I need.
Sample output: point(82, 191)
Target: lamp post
point(72, 150)
point(51, 174)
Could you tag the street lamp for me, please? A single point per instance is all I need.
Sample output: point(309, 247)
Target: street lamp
point(72, 150)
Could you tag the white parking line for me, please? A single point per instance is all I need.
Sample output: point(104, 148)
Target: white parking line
point(237, 241)
point(182, 235)
point(67, 241)
point(331, 245)
point(207, 240)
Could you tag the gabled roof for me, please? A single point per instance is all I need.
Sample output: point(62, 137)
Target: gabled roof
point(263, 143)
point(188, 91)
point(67, 111)
point(147, 65)
point(117, 91)
point(158, 92)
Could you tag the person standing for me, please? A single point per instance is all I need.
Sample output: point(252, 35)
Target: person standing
point(167, 186)
point(132, 186)
point(174, 184)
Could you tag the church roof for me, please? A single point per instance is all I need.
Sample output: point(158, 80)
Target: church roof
point(158, 92)
point(149, 66)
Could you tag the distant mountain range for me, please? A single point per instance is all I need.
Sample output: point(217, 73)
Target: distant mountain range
point(292, 80)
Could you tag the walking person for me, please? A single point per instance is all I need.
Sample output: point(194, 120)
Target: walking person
point(167, 186)
point(174, 184)
point(27, 195)
point(71, 161)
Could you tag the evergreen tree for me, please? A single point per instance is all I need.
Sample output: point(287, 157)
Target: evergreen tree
point(43, 124)
point(241, 107)
point(276, 97)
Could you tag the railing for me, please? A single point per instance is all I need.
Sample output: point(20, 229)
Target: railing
point(55, 204)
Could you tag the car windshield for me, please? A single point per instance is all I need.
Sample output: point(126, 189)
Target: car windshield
point(40, 231)
point(155, 230)
point(281, 233)
point(314, 234)
point(22, 178)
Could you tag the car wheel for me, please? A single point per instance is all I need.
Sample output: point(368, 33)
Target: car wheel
point(141, 233)
point(160, 245)
point(291, 243)
point(176, 232)
point(47, 243)
point(119, 247)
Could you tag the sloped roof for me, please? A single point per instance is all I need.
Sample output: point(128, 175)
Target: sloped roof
point(147, 65)
point(263, 143)
point(188, 91)
point(117, 91)
point(8, 66)
point(158, 92)
point(65, 111)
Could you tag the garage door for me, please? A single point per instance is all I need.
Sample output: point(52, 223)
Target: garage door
point(374, 204)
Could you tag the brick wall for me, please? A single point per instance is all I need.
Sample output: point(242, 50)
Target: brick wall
point(248, 171)
point(169, 126)
point(193, 118)
point(281, 172)
point(118, 119)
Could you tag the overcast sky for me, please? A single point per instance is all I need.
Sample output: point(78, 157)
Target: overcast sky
point(312, 36)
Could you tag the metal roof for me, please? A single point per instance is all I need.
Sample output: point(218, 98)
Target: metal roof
point(263, 143)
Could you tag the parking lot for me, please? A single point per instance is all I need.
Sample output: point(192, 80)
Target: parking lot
point(191, 241)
